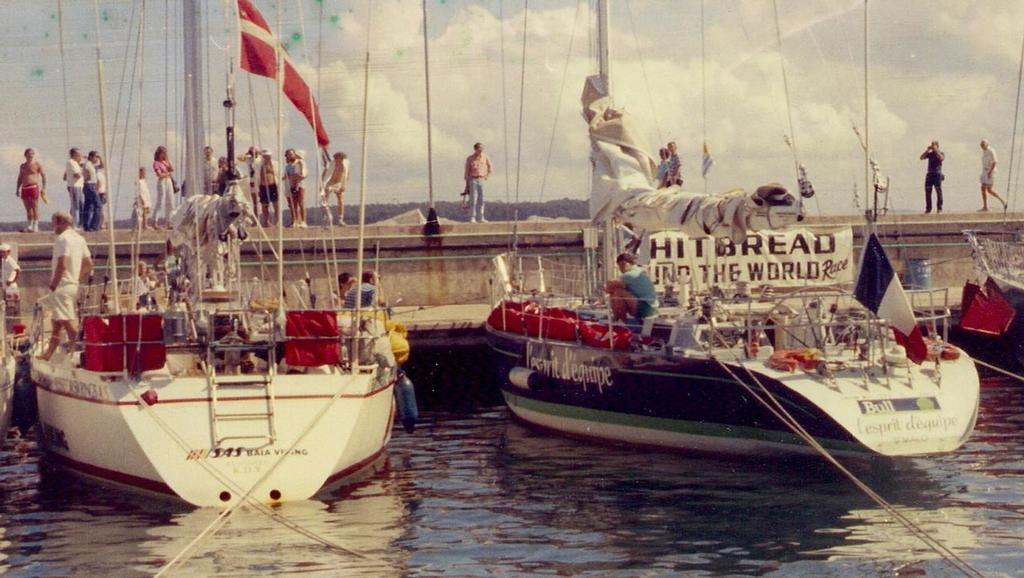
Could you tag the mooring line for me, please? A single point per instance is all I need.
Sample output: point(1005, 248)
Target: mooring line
point(245, 496)
point(999, 370)
point(786, 418)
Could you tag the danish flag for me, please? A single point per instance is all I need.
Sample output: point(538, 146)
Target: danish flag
point(259, 56)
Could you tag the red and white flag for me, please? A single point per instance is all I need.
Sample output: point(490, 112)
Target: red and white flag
point(259, 56)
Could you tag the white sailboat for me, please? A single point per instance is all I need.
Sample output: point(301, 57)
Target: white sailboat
point(227, 395)
point(736, 360)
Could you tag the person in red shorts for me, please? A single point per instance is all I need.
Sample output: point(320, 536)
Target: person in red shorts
point(31, 187)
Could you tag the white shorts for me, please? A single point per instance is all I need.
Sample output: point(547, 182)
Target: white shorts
point(61, 302)
point(986, 179)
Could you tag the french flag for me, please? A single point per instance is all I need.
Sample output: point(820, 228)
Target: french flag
point(259, 56)
point(878, 289)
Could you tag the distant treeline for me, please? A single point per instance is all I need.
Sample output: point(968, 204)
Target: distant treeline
point(496, 211)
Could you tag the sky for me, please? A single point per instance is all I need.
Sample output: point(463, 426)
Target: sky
point(941, 70)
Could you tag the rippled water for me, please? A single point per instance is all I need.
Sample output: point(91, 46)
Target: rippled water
point(476, 495)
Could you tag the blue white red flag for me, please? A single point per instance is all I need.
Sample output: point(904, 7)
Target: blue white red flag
point(879, 289)
point(708, 161)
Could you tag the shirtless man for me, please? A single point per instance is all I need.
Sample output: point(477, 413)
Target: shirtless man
point(337, 183)
point(31, 187)
point(268, 190)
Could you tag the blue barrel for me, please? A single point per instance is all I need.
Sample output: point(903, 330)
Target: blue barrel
point(919, 274)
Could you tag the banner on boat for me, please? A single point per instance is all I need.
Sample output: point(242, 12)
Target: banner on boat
point(794, 258)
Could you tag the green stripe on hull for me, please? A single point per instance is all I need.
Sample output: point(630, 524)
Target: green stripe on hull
point(670, 425)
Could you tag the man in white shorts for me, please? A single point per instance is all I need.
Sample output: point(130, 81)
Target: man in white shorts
point(988, 171)
point(71, 262)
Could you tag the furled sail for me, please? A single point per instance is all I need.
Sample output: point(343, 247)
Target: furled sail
point(624, 187)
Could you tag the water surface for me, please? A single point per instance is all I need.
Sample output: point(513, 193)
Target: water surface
point(473, 494)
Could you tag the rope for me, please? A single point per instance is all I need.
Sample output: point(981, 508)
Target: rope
point(246, 496)
point(558, 106)
point(775, 407)
point(998, 370)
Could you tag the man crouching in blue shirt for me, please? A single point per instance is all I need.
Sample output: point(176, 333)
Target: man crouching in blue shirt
point(633, 293)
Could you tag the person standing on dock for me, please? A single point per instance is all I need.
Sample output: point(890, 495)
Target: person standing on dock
point(90, 217)
point(30, 188)
point(76, 183)
point(336, 184)
point(988, 171)
point(72, 261)
point(478, 168)
point(163, 169)
point(934, 177)
point(268, 190)
point(295, 174)
point(101, 190)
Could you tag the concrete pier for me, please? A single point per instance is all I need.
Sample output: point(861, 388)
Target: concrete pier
point(435, 278)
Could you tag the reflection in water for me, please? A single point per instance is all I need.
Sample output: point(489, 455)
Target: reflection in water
point(475, 495)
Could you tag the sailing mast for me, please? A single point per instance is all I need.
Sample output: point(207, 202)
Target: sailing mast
point(604, 76)
point(194, 121)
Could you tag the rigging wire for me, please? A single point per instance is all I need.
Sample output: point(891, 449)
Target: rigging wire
point(1013, 135)
point(167, 71)
point(519, 131)
point(789, 105)
point(63, 74)
point(122, 154)
point(643, 68)
point(504, 100)
point(703, 96)
point(105, 141)
point(558, 103)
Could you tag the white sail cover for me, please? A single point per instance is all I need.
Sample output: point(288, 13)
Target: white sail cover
point(624, 186)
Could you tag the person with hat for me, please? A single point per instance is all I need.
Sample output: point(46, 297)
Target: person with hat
point(633, 293)
point(9, 273)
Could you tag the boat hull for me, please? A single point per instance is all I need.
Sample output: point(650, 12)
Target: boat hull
point(696, 404)
point(6, 396)
point(327, 427)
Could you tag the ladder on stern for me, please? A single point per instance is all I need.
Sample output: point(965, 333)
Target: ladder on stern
point(247, 390)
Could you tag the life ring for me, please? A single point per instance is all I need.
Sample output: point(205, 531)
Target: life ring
point(789, 360)
point(939, 350)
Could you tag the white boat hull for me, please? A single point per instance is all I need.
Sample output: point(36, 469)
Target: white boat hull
point(6, 396)
point(329, 426)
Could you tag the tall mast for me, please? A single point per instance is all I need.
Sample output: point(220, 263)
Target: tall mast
point(608, 242)
point(112, 248)
point(603, 51)
point(194, 125)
